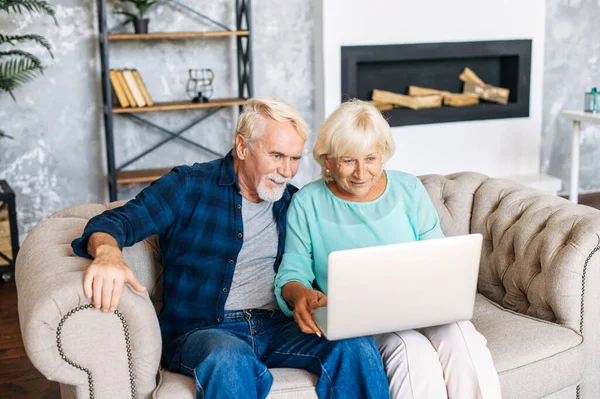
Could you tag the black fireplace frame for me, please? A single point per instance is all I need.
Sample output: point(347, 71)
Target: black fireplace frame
point(513, 56)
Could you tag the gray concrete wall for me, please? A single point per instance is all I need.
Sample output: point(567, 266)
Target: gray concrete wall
point(571, 67)
point(57, 158)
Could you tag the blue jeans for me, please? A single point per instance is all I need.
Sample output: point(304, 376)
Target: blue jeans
point(231, 360)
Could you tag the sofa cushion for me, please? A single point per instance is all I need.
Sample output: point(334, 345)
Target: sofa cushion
point(534, 358)
point(287, 383)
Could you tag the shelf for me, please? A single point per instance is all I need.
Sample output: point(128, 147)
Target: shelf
point(141, 176)
point(175, 35)
point(217, 31)
point(581, 116)
point(178, 105)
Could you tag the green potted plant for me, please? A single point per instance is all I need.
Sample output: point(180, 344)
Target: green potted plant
point(140, 24)
point(18, 67)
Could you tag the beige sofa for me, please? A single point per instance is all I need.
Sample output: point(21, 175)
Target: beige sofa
point(539, 295)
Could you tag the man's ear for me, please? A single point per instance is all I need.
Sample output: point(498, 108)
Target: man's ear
point(241, 147)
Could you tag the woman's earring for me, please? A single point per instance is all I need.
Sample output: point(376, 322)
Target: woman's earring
point(327, 171)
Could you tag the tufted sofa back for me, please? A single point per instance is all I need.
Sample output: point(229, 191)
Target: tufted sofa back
point(531, 260)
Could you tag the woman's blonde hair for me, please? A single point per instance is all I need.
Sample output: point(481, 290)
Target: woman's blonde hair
point(353, 130)
point(250, 122)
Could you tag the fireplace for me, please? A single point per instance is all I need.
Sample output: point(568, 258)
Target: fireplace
point(504, 63)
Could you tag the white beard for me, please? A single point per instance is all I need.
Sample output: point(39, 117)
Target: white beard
point(274, 194)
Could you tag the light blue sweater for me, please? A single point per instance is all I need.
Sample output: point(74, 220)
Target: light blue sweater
point(318, 223)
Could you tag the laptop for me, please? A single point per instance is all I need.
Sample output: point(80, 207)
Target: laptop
point(398, 287)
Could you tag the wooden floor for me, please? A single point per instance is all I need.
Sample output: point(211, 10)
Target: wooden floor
point(592, 200)
point(18, 377)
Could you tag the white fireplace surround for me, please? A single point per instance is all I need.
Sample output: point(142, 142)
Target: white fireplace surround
point(500, 148)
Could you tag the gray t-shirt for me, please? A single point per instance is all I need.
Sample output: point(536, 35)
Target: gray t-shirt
point(253, 278)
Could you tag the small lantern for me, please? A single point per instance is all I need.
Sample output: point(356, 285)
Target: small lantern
point(199, 86)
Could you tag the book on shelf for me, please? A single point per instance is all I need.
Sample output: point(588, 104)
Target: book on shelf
point(126, 88)
point(142, 87)
point(118, 90)
point(135, 90)
point(129, 88)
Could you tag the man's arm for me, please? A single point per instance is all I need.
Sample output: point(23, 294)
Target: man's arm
point(151, 212)
point(107, 274)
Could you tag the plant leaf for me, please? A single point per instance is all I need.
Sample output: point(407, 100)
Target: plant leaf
point(126, 13)
point(32, 6)
point(14, 39)
point(145, 7)
point(142, 5)
point(23, 54)
point(16, 72)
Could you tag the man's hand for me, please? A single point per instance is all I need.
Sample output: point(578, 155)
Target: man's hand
point(305, 301)
point(107, 274)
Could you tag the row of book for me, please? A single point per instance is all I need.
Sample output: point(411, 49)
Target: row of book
point(129, 88)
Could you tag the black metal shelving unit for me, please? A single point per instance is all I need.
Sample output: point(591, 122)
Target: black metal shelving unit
point(116, 173)
point(7, 201)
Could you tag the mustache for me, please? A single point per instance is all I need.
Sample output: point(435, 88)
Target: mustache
point(276, 178)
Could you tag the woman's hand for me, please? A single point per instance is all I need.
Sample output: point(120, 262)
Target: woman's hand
point(305, 301)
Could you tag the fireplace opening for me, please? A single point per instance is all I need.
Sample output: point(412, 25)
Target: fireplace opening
point(393, 68)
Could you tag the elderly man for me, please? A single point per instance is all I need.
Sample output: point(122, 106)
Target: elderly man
point(221, 227)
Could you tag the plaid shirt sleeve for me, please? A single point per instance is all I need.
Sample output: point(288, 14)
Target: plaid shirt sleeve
point(151, 212)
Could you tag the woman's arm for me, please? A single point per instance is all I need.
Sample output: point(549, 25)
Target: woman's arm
point(293, 283)
point(428, 221)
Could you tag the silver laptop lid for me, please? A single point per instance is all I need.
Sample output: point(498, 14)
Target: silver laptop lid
point(401, 286)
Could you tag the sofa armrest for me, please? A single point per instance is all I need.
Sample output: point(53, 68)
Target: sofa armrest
point(537, 249)
point(53, 309)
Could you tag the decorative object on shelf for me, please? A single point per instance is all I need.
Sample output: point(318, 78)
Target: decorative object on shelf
point(590, 103)
point(9, 232)
point(21, 66)
point(200, 85)
point(140, 24)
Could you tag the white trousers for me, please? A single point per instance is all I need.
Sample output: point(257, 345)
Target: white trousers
point(450, 361)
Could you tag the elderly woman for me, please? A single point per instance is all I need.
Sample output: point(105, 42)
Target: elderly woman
point(359, 204)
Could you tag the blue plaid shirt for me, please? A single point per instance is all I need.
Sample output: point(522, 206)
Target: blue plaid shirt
point(197, 213)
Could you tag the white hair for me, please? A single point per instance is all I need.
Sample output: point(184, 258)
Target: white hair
point(250, 123)
point(353, 130)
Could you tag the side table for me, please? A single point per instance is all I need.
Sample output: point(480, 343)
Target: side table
point(577, 117)
point(7, 201)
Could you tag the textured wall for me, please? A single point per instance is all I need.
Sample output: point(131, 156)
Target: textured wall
point(571, 68)
point(57, 158)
